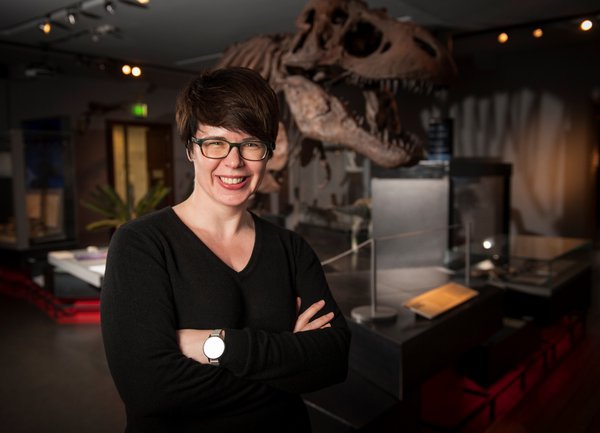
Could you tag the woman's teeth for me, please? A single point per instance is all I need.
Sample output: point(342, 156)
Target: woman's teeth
point(231, 180)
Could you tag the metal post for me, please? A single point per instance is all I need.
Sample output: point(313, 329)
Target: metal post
point(468, 253)
point(373, 278)
point(373, 312)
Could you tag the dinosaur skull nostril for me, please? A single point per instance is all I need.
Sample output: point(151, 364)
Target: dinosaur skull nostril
point(310, 17)
point(426, 47)
point(362, 40)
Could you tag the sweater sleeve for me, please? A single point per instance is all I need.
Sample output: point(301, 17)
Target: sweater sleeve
point(295, 362)
point(138, 324)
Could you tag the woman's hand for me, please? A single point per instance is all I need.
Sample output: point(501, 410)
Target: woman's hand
point(191, 343)
point(304, 323)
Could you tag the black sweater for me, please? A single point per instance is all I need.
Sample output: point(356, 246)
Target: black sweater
point(160, 277)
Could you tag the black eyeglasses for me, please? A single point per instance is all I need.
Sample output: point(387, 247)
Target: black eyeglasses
point(219, 148)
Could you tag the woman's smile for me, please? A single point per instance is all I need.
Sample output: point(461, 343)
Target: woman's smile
point(233, 182)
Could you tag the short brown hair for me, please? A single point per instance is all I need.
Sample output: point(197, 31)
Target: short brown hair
point(237, 99)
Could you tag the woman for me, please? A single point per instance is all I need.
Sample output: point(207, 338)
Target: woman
point(214, 319)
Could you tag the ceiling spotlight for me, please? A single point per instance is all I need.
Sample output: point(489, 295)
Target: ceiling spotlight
point(71, 17)
point(538, 33)
point(110, 7)
point(126, 69)
point(45, 27)
point(586, 25)
point(502, 37)
point(136, 71)
point(138, 3)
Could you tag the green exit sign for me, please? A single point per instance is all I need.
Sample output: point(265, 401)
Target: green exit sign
point(139, 110)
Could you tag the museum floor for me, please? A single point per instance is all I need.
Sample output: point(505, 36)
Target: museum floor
point(53, 378)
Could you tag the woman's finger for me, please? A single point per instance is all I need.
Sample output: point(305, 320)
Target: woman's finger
point(304, 318)
point(319, 322)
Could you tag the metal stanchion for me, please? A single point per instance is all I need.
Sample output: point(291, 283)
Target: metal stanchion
point(373, 312)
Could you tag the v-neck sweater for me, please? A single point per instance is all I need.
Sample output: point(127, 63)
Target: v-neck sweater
point(160, 277)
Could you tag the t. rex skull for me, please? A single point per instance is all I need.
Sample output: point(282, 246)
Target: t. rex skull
point(344, 42)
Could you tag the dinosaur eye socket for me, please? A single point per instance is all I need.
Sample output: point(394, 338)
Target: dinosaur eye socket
point(339, 16)
point(362, 39)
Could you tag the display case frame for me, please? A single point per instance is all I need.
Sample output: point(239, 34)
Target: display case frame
point(39, 213)
point(540, 264)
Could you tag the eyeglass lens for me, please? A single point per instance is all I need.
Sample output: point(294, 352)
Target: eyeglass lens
point(250, 150)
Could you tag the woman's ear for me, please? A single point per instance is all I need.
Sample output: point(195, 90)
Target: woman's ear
point(189, 154)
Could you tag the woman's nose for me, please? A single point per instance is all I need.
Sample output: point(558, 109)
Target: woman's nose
point(234, 159)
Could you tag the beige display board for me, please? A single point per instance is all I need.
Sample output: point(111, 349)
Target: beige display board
point(439, 300)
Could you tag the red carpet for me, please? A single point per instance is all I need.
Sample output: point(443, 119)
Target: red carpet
point(18, 285)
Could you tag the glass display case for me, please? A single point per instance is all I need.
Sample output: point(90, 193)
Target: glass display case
point(471, 192)
point(36, 184)
point(540, 264)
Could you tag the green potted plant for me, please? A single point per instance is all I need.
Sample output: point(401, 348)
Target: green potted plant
point(116, 211)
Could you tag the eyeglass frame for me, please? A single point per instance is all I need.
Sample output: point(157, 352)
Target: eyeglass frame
point(200, 141)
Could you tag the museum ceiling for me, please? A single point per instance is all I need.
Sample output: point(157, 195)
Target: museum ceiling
point(191, 34)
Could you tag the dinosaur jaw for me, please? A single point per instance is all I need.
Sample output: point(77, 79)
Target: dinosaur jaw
point(322, 116)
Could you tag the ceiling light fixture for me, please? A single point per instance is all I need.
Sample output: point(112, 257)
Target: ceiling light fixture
point(71, 17)
point(503, 37)
point(586, 25)
point(45, 27)
point(136, 71)
point(542, 27)
point(138, 3)
point(126, 69)
point(110, 7)
point(61, 17)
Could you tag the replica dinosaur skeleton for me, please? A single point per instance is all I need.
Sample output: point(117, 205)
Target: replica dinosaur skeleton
point(340, 45)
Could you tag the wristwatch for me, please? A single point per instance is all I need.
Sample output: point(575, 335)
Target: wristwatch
point(214, 346)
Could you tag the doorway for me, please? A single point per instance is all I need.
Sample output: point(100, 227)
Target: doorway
point(140, 155)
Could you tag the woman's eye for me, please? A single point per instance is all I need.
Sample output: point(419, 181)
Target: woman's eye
point(215, 143)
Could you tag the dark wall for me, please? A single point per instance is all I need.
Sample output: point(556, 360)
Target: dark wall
point(89, 102)
point(532, 106)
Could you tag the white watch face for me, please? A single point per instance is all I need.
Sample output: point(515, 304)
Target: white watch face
point(214, 347)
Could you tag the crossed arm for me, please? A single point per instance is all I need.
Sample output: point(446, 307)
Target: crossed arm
point(191, 340)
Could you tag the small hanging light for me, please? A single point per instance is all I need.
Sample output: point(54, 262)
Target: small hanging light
point(126, 69)
point(538, 33)
point(136, 71)
point(503, 37)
